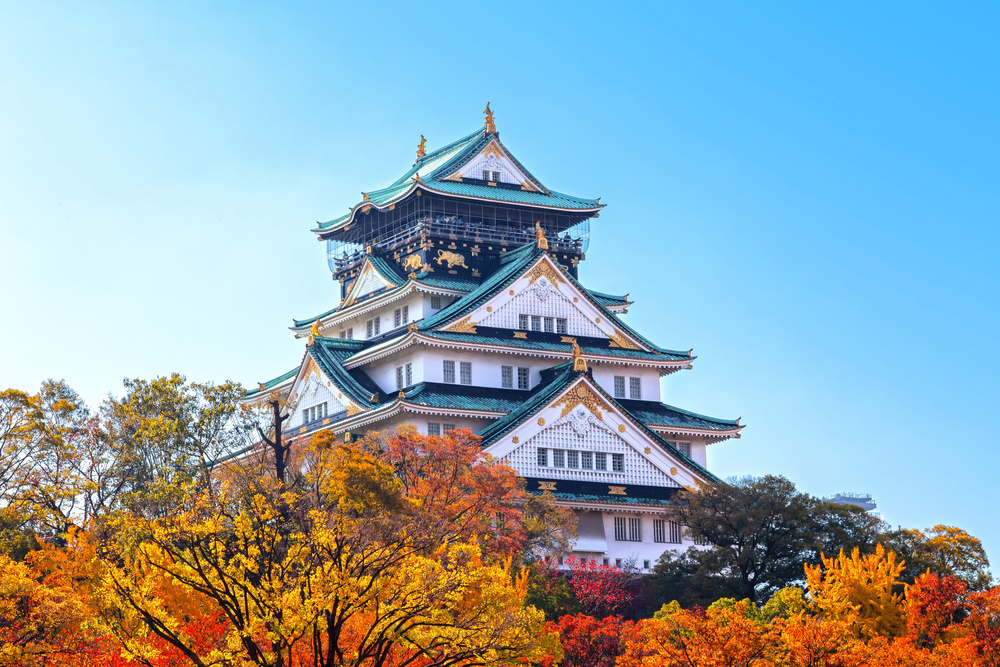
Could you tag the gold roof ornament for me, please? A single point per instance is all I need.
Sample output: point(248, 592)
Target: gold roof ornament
point(491, 127)
point(543, 243)
point(579, 363)
point(422, 148)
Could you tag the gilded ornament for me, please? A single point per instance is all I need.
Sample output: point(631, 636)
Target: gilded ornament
point(618, 339)
point(616, 491)
point(464, 325)
point(541, 421)
point(546, 486)
point(452, 258)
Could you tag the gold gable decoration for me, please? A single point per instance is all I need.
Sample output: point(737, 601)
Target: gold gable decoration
point(585, 396)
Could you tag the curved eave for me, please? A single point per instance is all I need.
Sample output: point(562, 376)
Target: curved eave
point(366, 205)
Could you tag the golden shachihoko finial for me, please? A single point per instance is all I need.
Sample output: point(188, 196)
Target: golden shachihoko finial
point(490, 125)
point(422, 147)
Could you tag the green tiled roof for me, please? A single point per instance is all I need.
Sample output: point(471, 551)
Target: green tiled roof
point(272, 383)
point(660, 414)
point(464, 397)
point(439, 164)
point(523, 343)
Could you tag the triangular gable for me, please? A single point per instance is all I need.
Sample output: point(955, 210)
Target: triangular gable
point(312, 387)
point(369, 281)
point(494, 158)
point(582, 419)
point(545, 290)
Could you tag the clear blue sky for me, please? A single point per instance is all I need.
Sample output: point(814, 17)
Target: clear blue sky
point(805, 193)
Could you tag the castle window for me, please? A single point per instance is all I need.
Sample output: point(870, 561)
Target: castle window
point(587, 460)
point(507, 377)
point(634, 388)
point(558, 458)
point(601, 461)
point(618, 463)
point(572, 459)
point(449, 372)
point(435, 303)
point(543, 457)
point(560, 325)
point(619, 386)
point(466, 372)
point(522, 322)
point(522, 377)
point(433, 429)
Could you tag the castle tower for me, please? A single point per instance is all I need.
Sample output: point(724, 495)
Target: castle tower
point(461, 306)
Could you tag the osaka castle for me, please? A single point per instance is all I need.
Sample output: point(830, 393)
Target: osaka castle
point(462, 305)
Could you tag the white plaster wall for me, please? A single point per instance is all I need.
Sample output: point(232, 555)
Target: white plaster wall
point(649, 379)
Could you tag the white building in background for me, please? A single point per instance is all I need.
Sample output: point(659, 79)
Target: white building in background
point(461, 306)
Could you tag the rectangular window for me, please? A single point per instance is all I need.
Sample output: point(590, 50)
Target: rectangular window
point(659, 531)
point(635, 530)
point(618, 463)
point(466, 372)
point(634, 389)
point(536, 323)
point(399, 377)
point(449, 372)
point(435, 303)
point(507, 377)
point(433, 429)
point(447, 428)
point(619, 386)
point(572, 459)
point(674, 532)
point(558, 458)
point(560, 325)
point(620, 531)
point(522, 322)
point(522, 377)
point(550, 325)
point(600, 461)
point(409, 374)
point(587, 460)
point(543, 457)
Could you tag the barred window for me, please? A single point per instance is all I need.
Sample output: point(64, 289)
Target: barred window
point(572, 459)
point(543, 457)
point(634, 389)
point(558, 458)
point(618, 463)
point(619, 386)
point(601, 461)
point(659, 531)
point(435, 303)
point(522, 322)
point(536, 323)
point(560, 325)
point(449, 372)
point(433, 429)
point(409, 374)
point(523, 375)
point(466, 372)
point(620, 530)
point(675, 532)
point(587, 460)
point(507, 377)
point(635, 530)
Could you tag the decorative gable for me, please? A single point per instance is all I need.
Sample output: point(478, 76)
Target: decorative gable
point(493, 164)
point(545, 291)
point(369, 280)
point(557, 441)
